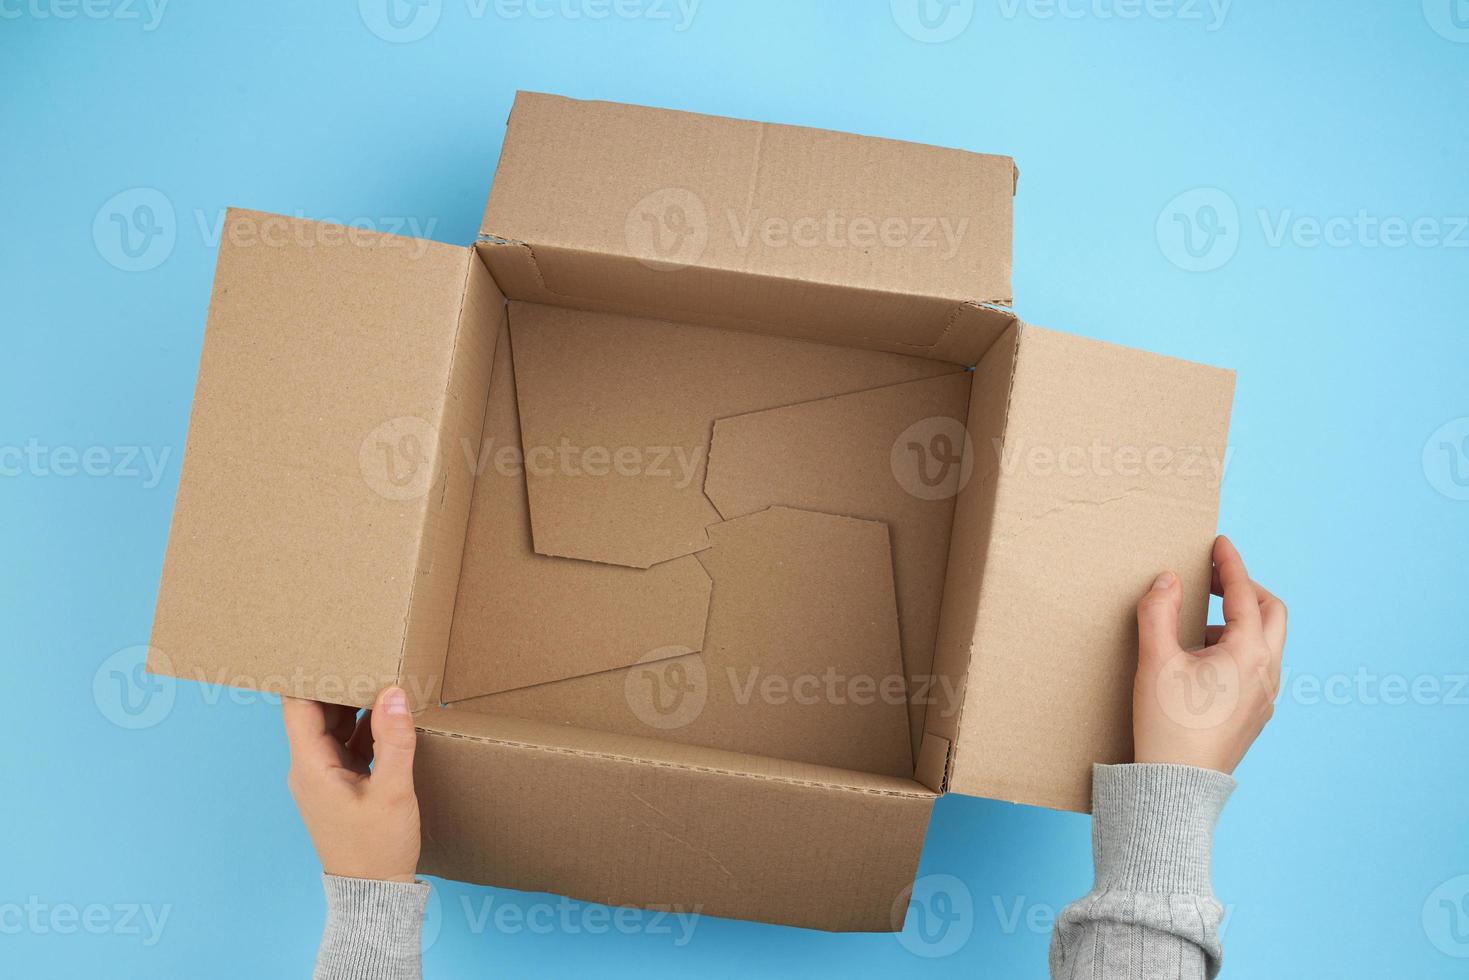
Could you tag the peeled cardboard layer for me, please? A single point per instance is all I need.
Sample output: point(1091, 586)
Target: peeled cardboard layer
point(801, 659)
point(616, 416)
point(639, 822)
point(523, 618)
point(1108, 474)
point(894, 454)
point(329, 379)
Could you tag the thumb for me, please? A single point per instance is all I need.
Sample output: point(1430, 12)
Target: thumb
point(393, 740)
point(1157, 618)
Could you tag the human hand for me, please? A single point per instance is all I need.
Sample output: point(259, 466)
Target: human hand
point(363, 822)
point(1205, 707)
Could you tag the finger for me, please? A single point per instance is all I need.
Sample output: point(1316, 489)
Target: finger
point(306, 731)
point(1273, 619)
point(1157, 618)
point(393, 741)
point(1241, 605)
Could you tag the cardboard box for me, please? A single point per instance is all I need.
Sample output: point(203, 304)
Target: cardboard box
point(883, 472)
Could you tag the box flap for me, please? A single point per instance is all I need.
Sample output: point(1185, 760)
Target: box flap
point(560, 617)
point(801, 660)
point(1105, 472)
point(324, 382)
point(698, 215)
point(885, 455)
point(643, 396)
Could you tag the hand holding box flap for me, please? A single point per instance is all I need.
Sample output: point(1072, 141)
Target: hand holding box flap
point(801, 660)
point(1107, 472)
point(894, 454)
point(522, 618)
point(616, 415)
point(331, 385)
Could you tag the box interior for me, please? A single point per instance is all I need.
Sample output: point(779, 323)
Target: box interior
point(803, 435)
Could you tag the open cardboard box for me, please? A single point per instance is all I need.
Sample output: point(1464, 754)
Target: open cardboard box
point(796, 297)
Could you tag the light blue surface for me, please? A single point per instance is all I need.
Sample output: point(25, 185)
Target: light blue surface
point(1352, 810)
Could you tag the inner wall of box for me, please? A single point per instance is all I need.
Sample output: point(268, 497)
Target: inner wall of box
point(596, 703)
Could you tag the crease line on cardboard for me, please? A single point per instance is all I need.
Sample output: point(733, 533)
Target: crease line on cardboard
point(680, 314)
point(919, 793)
point(988, 540)
point(441, 463)
point(690, 845)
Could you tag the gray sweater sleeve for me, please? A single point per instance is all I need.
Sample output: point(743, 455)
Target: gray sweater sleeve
point(372, 930)
point(1151, 915)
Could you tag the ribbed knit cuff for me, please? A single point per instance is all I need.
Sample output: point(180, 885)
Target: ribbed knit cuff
point(373, 929)
point(1153, 826)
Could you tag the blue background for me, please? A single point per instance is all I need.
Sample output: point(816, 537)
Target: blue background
point(1352, 808)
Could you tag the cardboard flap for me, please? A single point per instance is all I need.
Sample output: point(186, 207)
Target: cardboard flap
point(616, 415)
point(863, 455)
point(312, 467)
point(695, 216)
point(522, 618)
point(801, 659)
point(1106, 472)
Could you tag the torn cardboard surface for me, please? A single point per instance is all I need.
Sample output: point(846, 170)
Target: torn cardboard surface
point(523, 618)
point(895, 454)
point(801, 659)
point(616, 416)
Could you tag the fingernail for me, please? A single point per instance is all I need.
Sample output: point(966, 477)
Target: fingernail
point(1164, 581)
point(395, 702)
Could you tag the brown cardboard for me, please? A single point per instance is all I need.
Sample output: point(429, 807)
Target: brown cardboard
point(686, 216)
point(524, 618)
point(1046, 636)
point(653, 389)
point(803, 602)
point(326, 347)
point(636, 821)
point(331, 535)
point(867, 455)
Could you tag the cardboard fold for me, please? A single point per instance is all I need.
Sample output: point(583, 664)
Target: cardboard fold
point(640, 397)
point(893, 454)
point(801, 659)
point(523, 619)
